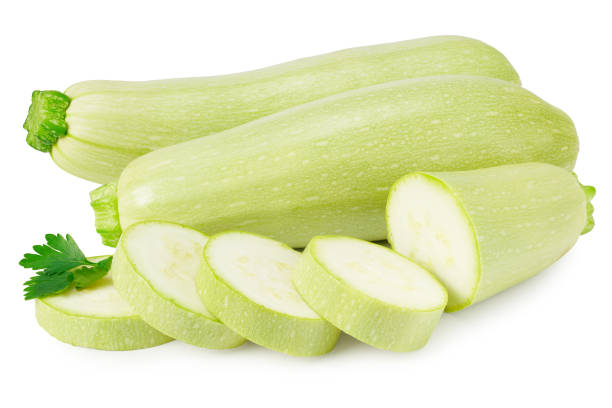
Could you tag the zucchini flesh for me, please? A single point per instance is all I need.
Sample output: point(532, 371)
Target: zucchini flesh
point(245, 280)
point(154, 270)
point(103, 125)
point(483, 231)
point(370, 292)
point(96, 317)
point(326, 167)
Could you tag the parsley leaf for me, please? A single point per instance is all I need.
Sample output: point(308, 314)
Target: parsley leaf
point(41, 284)
point(58, 264)
point(58, 255)
point(85, 276)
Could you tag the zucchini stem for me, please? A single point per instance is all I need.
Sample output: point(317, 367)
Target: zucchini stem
point(589, 192)
point(103, 200)
point(46, 121)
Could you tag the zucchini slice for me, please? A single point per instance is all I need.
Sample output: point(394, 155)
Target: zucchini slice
point(245, 280)
point(96, 317)
point(370, 292)
point(483, 231)
point(154, 270)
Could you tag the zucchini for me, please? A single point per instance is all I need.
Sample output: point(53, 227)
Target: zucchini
point(245, 280)
point(326, 167)
point(154, 270)
point(96, 128)
point(96, 317)
point(370, 292)
point(483, 231)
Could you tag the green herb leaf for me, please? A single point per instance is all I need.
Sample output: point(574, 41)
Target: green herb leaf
point(58, 264)
point(86, 275)
point(58, 255)
point(42, 284)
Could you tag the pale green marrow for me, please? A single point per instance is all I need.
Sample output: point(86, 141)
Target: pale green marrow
point(100, 126)
point(154, 270)
point(96, 317)
point(326, 167)
point(483, 231)
point(370, 292)
point(245, 280)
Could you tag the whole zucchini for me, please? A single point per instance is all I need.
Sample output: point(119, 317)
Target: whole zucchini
point(97, 127)
point(326, 167)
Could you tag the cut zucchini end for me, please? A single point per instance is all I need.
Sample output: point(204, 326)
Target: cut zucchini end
point(154, 269)
point(103, 200)
point(245, 280)
point(46, 122)
point(96, 317)
point(370, 292)
point(428, 224)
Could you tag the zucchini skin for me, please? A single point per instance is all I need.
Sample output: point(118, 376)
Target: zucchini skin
point(326, 167)
point(109, 123)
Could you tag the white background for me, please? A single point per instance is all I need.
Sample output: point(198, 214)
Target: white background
point(546, 342)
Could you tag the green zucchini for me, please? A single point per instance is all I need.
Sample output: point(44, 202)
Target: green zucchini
point(97, 127)
point(326, 167)
point(483, 231)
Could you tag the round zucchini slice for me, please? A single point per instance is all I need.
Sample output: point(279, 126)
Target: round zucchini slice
point(96, 317)
point(370, 292)
point(154, 270)
point(245, 280)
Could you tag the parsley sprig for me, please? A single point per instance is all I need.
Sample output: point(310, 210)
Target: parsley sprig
point(60, 264)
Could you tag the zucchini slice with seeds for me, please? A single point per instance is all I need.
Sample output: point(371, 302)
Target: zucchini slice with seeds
point(154, 270)
point(246, 282)
point(370, 292)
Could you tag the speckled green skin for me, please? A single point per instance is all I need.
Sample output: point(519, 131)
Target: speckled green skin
point(297, 336)
point(110, 123)
point(326, 167)
point(164, 314)
point(370, 320)
point(524, 217)
point(103, 333)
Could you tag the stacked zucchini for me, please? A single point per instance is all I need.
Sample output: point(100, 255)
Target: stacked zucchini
point(430, 143)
